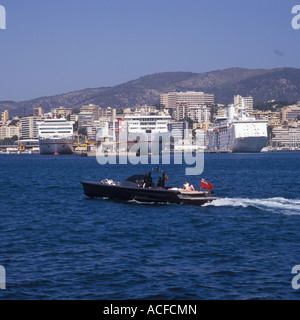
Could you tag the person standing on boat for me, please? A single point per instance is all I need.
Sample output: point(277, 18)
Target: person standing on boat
point(150, 183)
point(187, 186)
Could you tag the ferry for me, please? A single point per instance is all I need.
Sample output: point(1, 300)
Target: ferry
point(147, 129)
point(238, 132)
point(55, 136)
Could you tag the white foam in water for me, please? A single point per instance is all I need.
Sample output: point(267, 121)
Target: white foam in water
point(276, 205)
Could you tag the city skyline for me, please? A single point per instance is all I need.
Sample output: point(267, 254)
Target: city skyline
point(53, 48)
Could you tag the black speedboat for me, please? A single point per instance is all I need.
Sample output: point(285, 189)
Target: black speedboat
point(142, 188)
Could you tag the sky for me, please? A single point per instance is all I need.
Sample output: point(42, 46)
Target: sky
point(58, 46)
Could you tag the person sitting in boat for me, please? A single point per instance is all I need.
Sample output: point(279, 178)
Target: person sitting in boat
point(188, 187)
point(159, 182)
point(145, 180)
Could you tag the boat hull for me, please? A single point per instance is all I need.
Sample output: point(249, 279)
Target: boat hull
point(249, 144)
point(56, 146)
point(158, 195)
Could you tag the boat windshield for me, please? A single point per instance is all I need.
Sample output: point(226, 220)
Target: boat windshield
point(136, 178)
point(149, 180)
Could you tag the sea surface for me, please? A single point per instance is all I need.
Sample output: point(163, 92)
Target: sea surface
point(58, 244)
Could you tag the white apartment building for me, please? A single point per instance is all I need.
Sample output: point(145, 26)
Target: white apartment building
point(30, 128)
point(197, 113)
point(9, 131)
point(200, 114)
point(288, 137)
point(85, 119)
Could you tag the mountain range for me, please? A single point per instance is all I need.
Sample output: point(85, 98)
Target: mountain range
point(262, 84)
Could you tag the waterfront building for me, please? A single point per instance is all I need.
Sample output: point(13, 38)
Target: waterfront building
point(286, 137)
point(29, 127)
point(9, 131)
point(247, 101)
point(190, 98)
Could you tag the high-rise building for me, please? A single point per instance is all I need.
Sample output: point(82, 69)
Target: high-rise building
point(85, 119)
point(247, 101)
point(5, 116)
point(199, 114)
point(196, 113)
point(107, 114)
point(190, 98)
point(94, 109)
point(38, 112)
point(29, 128)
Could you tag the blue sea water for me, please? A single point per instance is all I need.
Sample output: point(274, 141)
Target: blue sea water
point(58, 244)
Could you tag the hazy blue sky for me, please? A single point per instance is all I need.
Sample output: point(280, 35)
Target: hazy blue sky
point(52, 47)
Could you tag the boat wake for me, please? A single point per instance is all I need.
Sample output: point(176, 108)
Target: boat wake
point(275, 205)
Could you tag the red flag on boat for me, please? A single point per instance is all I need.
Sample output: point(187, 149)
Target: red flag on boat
point(206, 185)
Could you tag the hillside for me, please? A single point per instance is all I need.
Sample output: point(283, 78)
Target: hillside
point(262, 84)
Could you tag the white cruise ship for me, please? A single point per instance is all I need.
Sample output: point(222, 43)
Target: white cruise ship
point(238, 132)
point(56, 136)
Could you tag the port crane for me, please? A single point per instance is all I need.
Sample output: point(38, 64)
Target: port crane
point(86, 144)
